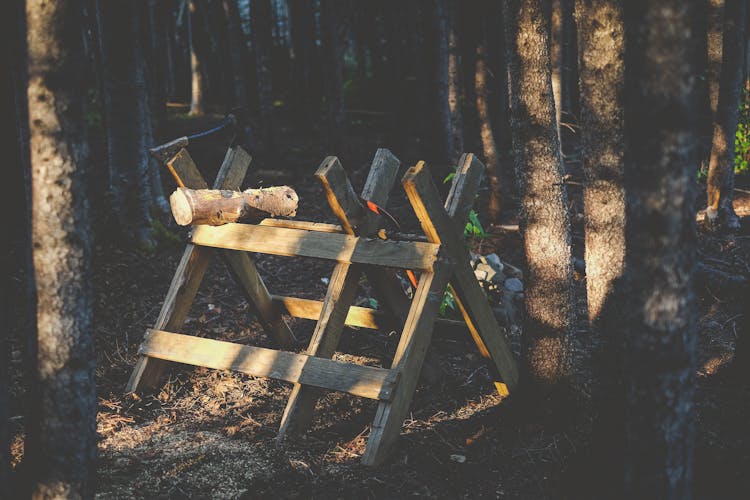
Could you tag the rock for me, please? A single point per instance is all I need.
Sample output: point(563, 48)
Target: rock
point(493, 260)
point(512, 271)
point(514, 285)
point(459, 459)
point(489, 271)
point(481, 275)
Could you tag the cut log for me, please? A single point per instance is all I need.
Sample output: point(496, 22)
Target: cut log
point(216, 207)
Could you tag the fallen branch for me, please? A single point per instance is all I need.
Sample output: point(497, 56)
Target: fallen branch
point(215, 207)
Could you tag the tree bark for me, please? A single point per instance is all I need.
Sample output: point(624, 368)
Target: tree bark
point(260, 18)
point(332, 34)
point(197, 66)
point(437, 36)
point(305, 96)
point(239, 56)
point(545, 225)
point(601, 40)
point(489, 147)
point(64, 421)
point(216, 207)
point(662, 93)
point(720, 182)
point(128, 120)
point(454, 86)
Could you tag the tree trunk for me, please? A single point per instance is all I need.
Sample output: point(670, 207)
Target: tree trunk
point(332, 34)
point(658, 305)
point(454, 86)
point(305, 97)
point(544, 223)
point(64, 420)
point(437, 37)
point(127, 119)
point(715, 28)
point(569, 98)
point(491, 156)
point(216, 207)
point(197, 66)
point(238, 54)
point(720, 182)
point(601, 40)
point(260, 17)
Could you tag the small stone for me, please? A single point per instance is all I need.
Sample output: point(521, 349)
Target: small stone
point(324, 280)
point(514, 285)
point(459, 459)
point(481, 275)
point(493, 260)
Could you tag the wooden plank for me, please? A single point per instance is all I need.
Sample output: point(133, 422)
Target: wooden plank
point(410, 354)
point(364, 381)
point(183, 166)
point(357, 317)
point(233, 169)
point(339, 247)
point(345, 279)
point(438, 224)
point(301, 224)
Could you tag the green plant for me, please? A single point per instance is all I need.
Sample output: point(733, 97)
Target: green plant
point(742, 138)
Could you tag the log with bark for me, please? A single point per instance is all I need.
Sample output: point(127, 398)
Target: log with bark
point(215, 207)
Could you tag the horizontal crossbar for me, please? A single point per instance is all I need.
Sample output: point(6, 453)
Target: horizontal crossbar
point(364, 381)
point(333, 246)
point(360, 317)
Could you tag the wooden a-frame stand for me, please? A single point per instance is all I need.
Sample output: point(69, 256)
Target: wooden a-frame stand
point(441, 261)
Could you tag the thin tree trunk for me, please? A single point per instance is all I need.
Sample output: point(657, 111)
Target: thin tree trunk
point(569, 98)
point(454, 86)
point(544, 223)
point(260, 17)
point(658, 328)
point(332, 33)
point(437, 41)
point(127, 120)
point(64, 420)
point(720, 182)
point(238, 53)
point(303, 44)
point(197, 66)
point(491, 156)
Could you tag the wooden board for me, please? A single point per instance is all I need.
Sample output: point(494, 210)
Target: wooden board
point(364, 381)
point(338, 247)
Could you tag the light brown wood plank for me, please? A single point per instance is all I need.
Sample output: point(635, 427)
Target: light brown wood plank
point(301, 224)
point(184, 167)
point(364, 381)
point(338, 247)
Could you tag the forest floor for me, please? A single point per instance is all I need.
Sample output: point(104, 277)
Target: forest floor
point(209, 434)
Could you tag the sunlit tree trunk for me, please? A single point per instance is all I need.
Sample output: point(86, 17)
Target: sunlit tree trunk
point(64, 418)
point(332, 33)
point(720, 182)
point(127, 119)
point(197, 66)
point(489, 147)
point(658, 306)
point(260, 17)
point(544, 223)
point(601, 40)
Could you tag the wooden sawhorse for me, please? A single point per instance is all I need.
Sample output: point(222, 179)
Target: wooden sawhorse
point(443, 259)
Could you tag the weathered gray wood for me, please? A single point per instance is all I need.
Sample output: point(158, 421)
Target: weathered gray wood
point(338, 247)
point(364, 381)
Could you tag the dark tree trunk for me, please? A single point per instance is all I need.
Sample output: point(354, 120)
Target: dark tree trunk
point(197, 63)
point(332, 34)
point(127, 120)
point(157, 64)
point(64, 421)
point(658, 303)
point(437, 36)
point(720, 182)
point(489, 147)
point(305, 97)
point(239, 57)
point(544, 223)
point(454, 85)
point(714, 30)
point(260, 17)
point(569, 98)
point(601, 40)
